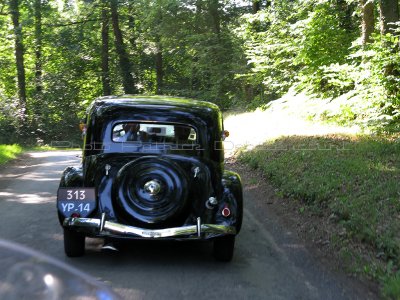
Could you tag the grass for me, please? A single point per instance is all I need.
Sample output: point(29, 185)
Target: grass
point(356, 180)
point(9, 152)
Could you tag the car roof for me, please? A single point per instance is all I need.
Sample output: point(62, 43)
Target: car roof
point(167, 102)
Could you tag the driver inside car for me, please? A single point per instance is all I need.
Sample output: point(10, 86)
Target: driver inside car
point(132, 133)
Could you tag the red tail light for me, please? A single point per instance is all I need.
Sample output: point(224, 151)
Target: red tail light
point(226, 212)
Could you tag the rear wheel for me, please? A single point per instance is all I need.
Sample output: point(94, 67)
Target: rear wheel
point(74, 243)
point(224, 248)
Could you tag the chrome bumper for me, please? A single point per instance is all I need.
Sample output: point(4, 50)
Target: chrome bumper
point(100, 227)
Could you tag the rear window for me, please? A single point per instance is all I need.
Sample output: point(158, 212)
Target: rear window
point(131, 132)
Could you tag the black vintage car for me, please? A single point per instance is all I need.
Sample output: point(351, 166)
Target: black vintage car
point(152, 168)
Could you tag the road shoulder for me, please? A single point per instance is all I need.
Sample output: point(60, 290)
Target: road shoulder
point(299, 234)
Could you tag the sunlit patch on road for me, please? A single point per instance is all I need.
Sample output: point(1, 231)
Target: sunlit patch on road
point(57, 237)
point(53, 154)
point(36, 198)
point(50, 164)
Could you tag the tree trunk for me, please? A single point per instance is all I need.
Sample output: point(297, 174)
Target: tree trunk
point(345, 11)
point(214, 8)
point(124, 62)
point(38, 45)
point(389, 13)
point(132, 42)
point(105, 71)
point(19, 56)
point(132, 27)
point(159, 69)
point(256, 6)
point(368, 20)
point(199, 9)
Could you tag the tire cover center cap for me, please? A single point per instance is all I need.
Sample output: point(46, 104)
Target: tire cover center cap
point(153, 187)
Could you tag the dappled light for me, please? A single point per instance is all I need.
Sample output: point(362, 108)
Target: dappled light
point(35, 180)
point(65, 153)
point(309, 90)
point(57, 237)
point(35, 198)
point(387, 168)
point(34, 176)
point(283, 117)
point(17, 175)
point(49, 164)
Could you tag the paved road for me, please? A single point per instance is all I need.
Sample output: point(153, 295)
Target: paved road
point(269, 262)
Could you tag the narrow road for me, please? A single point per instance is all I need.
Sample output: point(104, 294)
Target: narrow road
point(269, 262)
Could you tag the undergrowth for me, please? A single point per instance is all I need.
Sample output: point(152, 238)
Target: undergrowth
point(9, 152)
point(355, 180)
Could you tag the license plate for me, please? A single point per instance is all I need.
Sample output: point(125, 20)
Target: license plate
point(81, 201)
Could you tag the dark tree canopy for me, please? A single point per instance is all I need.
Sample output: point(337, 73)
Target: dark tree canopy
point(56, 56)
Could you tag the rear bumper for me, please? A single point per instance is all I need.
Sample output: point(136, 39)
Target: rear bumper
point(100, 227)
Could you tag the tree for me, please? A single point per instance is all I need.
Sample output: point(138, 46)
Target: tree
point(367, 20)
point(256, 6)
point(38, 45)
point(389, 14)
point(214, 11)
point(19, 56)
point(344, 11)
point(105, 70)
point(159, 59)
point(124, 62)
point(159, 69)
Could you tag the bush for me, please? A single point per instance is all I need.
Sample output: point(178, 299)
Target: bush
point(8, 152)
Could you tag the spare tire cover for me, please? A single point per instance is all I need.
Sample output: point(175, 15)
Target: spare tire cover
point(151, 189)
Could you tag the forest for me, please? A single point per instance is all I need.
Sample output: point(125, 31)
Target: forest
point(56, 56)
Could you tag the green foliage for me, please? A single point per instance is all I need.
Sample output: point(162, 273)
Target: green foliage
point(293, 43)
point(315, 46)
point(270, 45)
point(211, 50)
point(368, 86)
point(324, 43)
point(323, 40)
point(199, 59)
point(9, 152)
point(8, 124)
point(391, 287)
point(70, 64)
point(354, 179)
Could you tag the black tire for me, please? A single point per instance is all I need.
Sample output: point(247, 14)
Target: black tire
point(224, 248)
point(74, 243)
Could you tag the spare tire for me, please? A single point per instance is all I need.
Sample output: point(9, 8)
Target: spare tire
point(151, 190)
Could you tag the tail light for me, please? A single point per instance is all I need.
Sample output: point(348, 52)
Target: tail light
point(226, 212)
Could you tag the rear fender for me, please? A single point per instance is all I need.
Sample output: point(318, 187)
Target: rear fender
point(72, 177)
point(232, 198)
